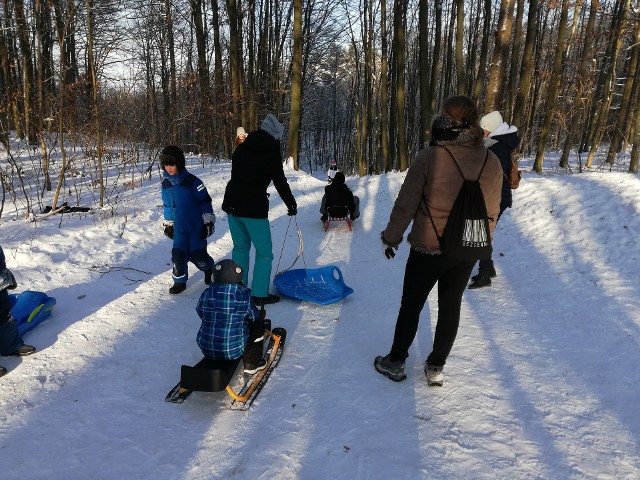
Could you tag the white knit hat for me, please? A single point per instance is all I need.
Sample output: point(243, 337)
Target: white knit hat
point(272, 126)
point(491, 121)
point(240, 131)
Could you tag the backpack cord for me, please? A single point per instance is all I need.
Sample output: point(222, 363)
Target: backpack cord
point(300, 248)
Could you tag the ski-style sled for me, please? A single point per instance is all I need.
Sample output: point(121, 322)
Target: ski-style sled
point(30, 308)
point(215, 375)
point(323, 285)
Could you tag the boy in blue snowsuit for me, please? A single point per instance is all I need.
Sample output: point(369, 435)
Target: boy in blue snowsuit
point(188, 218)
point(231, 323)
point(11, 342)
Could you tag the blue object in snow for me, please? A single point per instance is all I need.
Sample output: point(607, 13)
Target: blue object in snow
point(30, 308)
point(318, 285)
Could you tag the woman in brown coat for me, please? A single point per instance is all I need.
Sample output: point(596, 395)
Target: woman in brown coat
point(435, 180)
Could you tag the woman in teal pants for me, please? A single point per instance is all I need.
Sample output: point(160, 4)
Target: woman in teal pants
point(256, 163)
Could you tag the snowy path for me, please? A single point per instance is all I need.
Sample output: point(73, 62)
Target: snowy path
point(541, 384)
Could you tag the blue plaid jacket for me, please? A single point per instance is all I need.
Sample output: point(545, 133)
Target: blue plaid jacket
point(225, 310)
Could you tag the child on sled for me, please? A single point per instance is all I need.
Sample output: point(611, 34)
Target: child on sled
point(232, 326)
point(339, 197)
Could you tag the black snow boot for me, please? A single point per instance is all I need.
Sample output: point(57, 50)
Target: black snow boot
point(492, 274)
point(177, 288)
point(271, 298)
point(483, 279)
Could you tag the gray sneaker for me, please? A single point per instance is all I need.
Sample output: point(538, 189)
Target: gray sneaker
point(394, 369)
point(435, 377)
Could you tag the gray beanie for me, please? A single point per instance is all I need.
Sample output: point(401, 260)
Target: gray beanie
point(272, 126)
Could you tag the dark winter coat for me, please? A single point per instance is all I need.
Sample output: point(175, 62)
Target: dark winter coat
point(338, 194)
point(434, 178)
point(256, 163)
point(185, 200)
point(503, 146)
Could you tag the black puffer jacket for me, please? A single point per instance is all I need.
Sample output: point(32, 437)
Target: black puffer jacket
point(503, 147)
point(337, 194)
point(256, 163)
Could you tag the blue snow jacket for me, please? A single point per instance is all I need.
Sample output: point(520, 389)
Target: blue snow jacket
point(225, 310)
point(185, 200)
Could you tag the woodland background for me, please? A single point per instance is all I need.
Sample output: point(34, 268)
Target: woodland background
point(110, 82)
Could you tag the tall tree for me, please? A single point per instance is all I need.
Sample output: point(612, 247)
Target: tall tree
point(500, 57)
point(296, 85)
point(554, 85)
point(399, 29)
point(29, 77)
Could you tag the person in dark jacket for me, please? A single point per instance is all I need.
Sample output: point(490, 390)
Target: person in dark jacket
point(501, 139)
point(11, 342)
point(188, 218)
point(338, 200)
point(256, 163)
point(432, 185)
point(230, 319)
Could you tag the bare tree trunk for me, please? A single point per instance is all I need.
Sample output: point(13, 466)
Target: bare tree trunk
point(29, 80)
point(433, 81)
point(384, 90)
point(626, 102)
point(484, 52)
point(296, 85)
point(582, 87)
point(94, 97)
point(500, 57)
point(42, 78)
point(460, 74)
point(399, 26)
point(234, 59)
point(609, 74)
point(554, 85)
point(526, 69)
point(515, 61)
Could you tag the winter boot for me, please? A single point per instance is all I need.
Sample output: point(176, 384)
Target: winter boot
point(271, 298)
point(207, 276)
point(177, 288)
point(3, 371)
point(393, 369)
point(492, 274)
point(435, 377)
point(251, 368)
point(483, 279)
point(23, 351)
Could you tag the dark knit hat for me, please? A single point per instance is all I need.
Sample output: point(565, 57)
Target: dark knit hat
point(172, 155)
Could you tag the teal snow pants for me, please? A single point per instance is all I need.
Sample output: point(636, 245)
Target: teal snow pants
point(256, 231)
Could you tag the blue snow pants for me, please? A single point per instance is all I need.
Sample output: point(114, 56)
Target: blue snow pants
point(189, 247)
point(256, 231)
point(10, 339)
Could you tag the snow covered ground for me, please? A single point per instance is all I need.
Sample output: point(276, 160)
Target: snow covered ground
point(543, 381)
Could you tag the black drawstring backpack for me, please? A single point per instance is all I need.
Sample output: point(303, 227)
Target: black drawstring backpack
point(466, 235)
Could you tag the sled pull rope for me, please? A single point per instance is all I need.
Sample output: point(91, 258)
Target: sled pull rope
point(300, 247)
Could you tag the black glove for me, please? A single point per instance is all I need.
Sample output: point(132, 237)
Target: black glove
point(292, 211)
point(168, 231)
point(208, 230)
point(389, 252)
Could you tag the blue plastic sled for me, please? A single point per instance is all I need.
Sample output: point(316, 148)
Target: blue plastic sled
point(29, 309)
point(318, 285)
